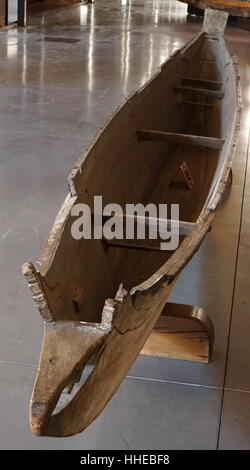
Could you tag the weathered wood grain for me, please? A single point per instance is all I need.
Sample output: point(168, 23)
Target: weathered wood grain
point(66, 348)
point(176, 138)
point(202, 82)
point(200, 91)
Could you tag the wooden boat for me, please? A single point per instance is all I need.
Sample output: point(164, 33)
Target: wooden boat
point(187, 113)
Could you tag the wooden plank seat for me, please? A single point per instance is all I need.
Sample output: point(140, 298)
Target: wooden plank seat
point(209, 84)
point(177, 138)
point(152, 223)
point(216, 94)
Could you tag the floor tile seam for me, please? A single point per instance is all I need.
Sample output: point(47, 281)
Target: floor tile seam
point(234, 293)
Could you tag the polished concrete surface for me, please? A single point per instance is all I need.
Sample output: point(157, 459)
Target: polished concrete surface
point(55, 94)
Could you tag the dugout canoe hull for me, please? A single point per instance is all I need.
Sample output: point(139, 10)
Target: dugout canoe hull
point(133, 159)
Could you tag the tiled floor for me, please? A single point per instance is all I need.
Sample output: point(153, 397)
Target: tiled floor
point(54, 96)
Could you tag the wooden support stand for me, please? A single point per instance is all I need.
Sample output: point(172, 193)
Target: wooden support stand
point(181, 332)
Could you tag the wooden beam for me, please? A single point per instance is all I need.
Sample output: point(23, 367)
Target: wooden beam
point(196, 103)
point(218, 94)
point(175, 138)
point(131, 246)
point(184, 228)
point(154, 223)
point(209, 84)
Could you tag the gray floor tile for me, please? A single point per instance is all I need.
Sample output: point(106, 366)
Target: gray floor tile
point(157, 416)
point(235, 428)
point(44, 111)
point(33, 185)
point(238, 368)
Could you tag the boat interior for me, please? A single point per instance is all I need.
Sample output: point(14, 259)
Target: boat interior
point(165, 145)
